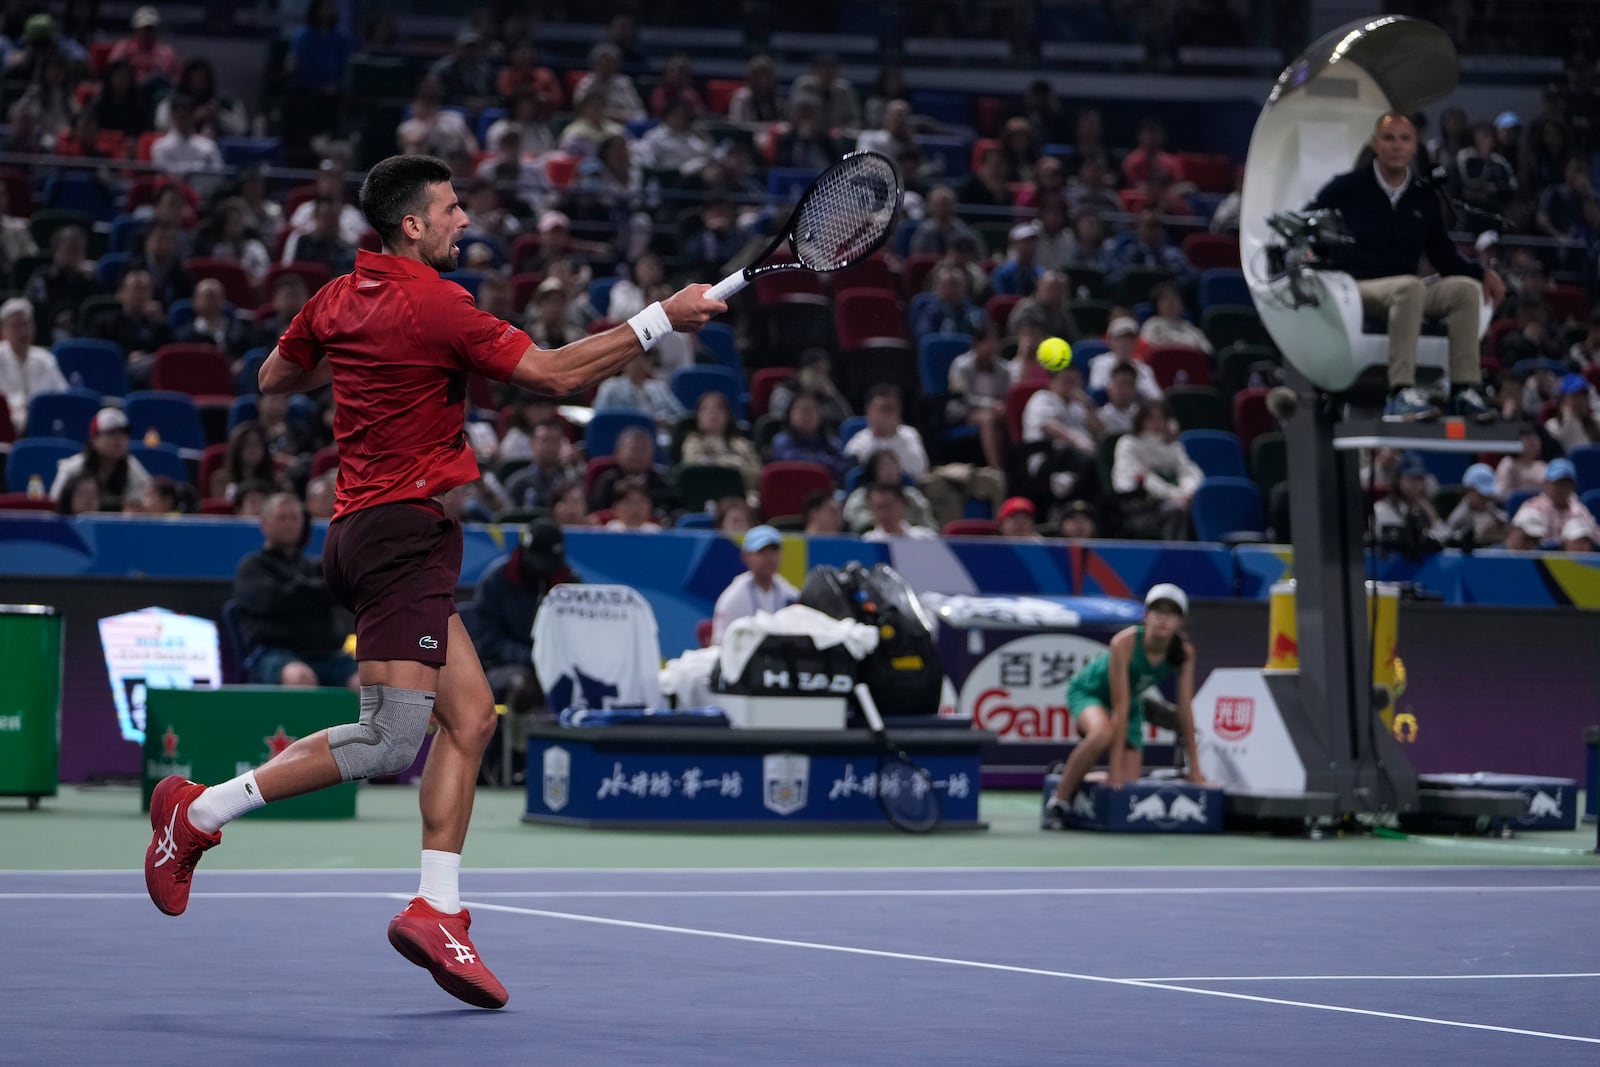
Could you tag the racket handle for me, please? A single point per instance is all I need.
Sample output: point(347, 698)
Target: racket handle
point(728, 286)
point(869, 708)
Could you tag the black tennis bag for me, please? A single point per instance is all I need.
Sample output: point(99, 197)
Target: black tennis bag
point(904, 673)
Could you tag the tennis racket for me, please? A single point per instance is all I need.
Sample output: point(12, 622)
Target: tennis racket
point(843, 218)
point(905, 791)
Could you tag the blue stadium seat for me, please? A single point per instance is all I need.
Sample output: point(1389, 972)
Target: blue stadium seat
point(1224, 286)
point(65, 414)
point(787, 183)
point(850, 427)
point(717, 340)
point(600, 294)
point(243, 151)
point(162, 461)
point(950, 108)
point(1228, 509)
point(918, 302)
point(243, 409)
point(1586, 460)
point(696, 520)
point(1591, 500)
point(36, 456)
point(1516, 498)
point(1448, 467)
point(496, 253)
point(600, 436)
point(486, 118)
point(126, 233)
point(109, 267)
point(1216, 452)
point(955, 153)
point(80, 191)
point(173, 416)
point(1087, 349)
point(87, 363)
point(689, 384)
point(467, 279)
point(249, 383)
point(935, 353)
point(180, 313)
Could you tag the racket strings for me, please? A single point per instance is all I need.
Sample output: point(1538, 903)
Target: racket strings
point(847, 213)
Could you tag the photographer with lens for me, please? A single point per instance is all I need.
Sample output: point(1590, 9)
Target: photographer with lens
point(1395, 217)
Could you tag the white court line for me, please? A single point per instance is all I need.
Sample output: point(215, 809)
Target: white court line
point(1189, 869)
point(908, 891)
point(1366, 977)
point(1012, 969)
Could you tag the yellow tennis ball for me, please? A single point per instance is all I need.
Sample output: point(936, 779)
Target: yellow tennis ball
point(1054, 353)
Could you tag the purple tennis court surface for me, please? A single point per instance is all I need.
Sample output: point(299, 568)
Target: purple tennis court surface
point(1259, 965)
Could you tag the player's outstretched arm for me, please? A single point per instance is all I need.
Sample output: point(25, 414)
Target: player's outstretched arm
point(575, 367)
point(278, 375)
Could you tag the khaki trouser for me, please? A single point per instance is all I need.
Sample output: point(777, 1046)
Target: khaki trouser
point(1404, 300)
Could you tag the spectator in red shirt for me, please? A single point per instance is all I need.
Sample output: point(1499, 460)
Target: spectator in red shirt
point(397, 343)
point(677, 83)
point(524, 75)
point(1148, 158)
point(150, 57)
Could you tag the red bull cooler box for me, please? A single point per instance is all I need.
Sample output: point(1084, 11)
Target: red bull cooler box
point(1145, 806)
point(1552, 802)
point(1009, 659)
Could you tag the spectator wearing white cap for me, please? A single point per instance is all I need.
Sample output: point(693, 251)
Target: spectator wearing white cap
point(1555, 518)
point(1479, 514)
point(121, 477)
point(760, 588)
point(150, 57)
point(1122, 341)
point(25, 368)
point(1021, 270)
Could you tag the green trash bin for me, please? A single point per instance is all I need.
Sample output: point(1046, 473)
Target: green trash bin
point(30, 701)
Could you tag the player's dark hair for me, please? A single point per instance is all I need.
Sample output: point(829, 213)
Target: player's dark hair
point(397, 187)
point(1178, 650)
point(814, 500)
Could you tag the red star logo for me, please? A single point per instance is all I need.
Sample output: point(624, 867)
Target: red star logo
point(169, 743)
point(278, 742)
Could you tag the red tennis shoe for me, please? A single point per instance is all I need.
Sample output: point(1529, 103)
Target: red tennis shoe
point(176, 845)
point(439, 943)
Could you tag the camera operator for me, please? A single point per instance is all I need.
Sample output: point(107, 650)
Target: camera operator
point(1395, 216)
point(1405, 520)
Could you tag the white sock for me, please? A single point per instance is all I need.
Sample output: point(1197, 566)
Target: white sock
point(221, 804)
point(441, 880)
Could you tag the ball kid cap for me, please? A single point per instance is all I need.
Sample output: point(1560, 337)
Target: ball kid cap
point(1171, 594)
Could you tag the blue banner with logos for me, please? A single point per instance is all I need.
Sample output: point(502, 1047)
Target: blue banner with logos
point(576, 781)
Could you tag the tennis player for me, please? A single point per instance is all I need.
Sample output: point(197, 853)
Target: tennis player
point(397, 342)
point(1106, 697)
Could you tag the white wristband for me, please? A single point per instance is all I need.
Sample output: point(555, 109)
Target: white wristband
point(651, 325)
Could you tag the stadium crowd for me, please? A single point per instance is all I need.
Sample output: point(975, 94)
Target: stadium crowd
point(157, 235)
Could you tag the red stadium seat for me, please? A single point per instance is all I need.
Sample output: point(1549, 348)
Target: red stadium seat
point(1017, 399)
point(1133, 200)
point(774, 287)
point(216, 505)
point(871, 273)
point(702, 632)
point(211, 461)
point(864, 316)
point(24, 502)
point(999, 309)
point(560, 169)
point(522, 289)
point(762, 383)
point(200, 370)
point(597, 466)
point(971, 528)
point(719, 94)
point(325, 460)
point(1212, 251)
point(523, 250)
point(1568, 303)
point(785, 486)
point(236, 285)
point(1179, 365)
point(1210, 172)
point(146, 139)
point(916, 271)
point(1251, 418)
point(19, 194)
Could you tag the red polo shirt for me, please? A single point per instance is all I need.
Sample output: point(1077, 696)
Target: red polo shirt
point(402, 340)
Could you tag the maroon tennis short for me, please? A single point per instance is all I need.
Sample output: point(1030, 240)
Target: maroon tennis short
point(396, 567)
